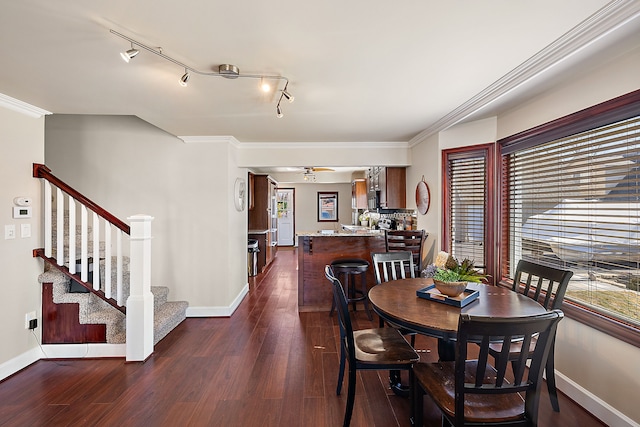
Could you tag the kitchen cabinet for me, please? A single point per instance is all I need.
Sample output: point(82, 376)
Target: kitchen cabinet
point(393, 187)
point(359, 194)
point(387, 187)
point(263, 218)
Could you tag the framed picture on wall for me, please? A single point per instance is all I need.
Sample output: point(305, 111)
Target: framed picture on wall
point(327, 206)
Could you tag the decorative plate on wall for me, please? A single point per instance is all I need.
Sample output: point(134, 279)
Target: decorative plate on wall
point(423, 197)
point(239, 194)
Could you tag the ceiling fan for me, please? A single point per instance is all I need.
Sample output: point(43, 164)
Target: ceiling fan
point(314, 169)
point(309, 173)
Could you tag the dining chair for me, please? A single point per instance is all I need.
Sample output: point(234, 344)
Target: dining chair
point(393, 266)
point(407, 240)
point(472, 392)
point(371, 349)
point(547, 285)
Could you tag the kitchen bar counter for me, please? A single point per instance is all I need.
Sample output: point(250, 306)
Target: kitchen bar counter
point(316, 250)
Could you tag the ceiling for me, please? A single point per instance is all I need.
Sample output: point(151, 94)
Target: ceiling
point(360, 71)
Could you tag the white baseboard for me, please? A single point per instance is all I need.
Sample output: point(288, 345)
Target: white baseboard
point(80, 351)
point(60, 351)
point(14, 365)
point(219, 311)
point(592, 403)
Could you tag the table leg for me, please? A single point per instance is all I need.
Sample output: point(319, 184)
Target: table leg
point(446, 350)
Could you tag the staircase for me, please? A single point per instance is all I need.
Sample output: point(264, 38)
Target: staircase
point(116, 276)
point(94, 310)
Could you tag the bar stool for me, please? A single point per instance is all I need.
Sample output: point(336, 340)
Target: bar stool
point(349, 269)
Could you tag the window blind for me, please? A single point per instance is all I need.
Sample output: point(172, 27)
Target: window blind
point(574, 203)
point(467, 208)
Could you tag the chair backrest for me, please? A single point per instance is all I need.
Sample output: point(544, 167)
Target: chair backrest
point(547, 285)
point(344, 320)
point(406, 240)
point(392, 265)
point(476, 377)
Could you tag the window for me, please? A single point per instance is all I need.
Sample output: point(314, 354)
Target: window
point(467, 178)
point(570, 193)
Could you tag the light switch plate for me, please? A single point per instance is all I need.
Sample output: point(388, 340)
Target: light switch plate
point(25, 230)
point(10, 231)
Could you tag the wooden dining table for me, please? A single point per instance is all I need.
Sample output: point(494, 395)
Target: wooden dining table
point(396, 301)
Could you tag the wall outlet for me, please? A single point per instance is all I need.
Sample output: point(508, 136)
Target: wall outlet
point(28, 318)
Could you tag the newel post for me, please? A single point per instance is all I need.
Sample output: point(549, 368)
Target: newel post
point(140, 301)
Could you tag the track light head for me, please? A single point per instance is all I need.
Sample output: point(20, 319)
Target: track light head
point(287, 95)
point(131, 53)
point(279, 112)
point(185, 78)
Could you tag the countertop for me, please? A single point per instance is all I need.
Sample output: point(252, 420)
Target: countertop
point(343, 233)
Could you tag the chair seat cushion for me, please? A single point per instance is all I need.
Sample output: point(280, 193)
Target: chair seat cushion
point(438, 380)
point(383, 346)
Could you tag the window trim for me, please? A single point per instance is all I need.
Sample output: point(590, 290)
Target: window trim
point(488, 152)
point(617, 109)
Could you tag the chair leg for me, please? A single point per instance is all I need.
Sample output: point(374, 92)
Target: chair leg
point(363, 278)
point(351, 396)
point(417, 401)
point(413, 340)
point(343, 358)
point(551, 381)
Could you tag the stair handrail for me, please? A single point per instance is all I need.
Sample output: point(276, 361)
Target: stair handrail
point(41, 171)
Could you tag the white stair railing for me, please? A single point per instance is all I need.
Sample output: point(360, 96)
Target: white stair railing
point(72, 246)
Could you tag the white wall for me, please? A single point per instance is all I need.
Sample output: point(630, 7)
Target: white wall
point(22, 144)
point(130, 167)
point(599, 372)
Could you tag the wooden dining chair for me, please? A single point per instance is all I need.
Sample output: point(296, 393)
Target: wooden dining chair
point(407, 240)
point(393, 266)
point(372, 349)
point(547, 285)
point(472, 392)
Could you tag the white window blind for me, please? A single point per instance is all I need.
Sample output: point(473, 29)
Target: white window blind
point(575, 203)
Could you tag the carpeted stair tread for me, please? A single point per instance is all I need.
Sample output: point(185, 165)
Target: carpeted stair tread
point(167, 317)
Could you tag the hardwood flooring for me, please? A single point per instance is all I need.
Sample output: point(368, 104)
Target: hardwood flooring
point(267, 365)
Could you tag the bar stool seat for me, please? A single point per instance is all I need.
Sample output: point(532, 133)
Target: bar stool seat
point(349, 269)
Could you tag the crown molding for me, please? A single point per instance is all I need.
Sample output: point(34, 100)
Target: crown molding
point(611, 17)
point(212, 139)
point(22, 107)
point(325, 145)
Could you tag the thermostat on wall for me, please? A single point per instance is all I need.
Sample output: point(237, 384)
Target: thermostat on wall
point(22, 212)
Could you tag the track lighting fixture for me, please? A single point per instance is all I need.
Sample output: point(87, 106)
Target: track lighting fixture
point(284, 94)
point(288, 95)
point(223, 70)
point(131, 53)
point(185, 78)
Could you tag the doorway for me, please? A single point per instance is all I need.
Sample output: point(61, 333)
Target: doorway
point(286, 216)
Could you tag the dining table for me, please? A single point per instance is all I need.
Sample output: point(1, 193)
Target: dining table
point(398, 303)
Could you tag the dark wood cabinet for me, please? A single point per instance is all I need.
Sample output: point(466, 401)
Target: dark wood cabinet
point(387, 187)
point(263, 217)
point(393, 187)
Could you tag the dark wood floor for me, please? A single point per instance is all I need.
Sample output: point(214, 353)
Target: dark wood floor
point(267, 365)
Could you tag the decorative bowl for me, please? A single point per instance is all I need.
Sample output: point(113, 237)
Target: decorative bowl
point(451, 289)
